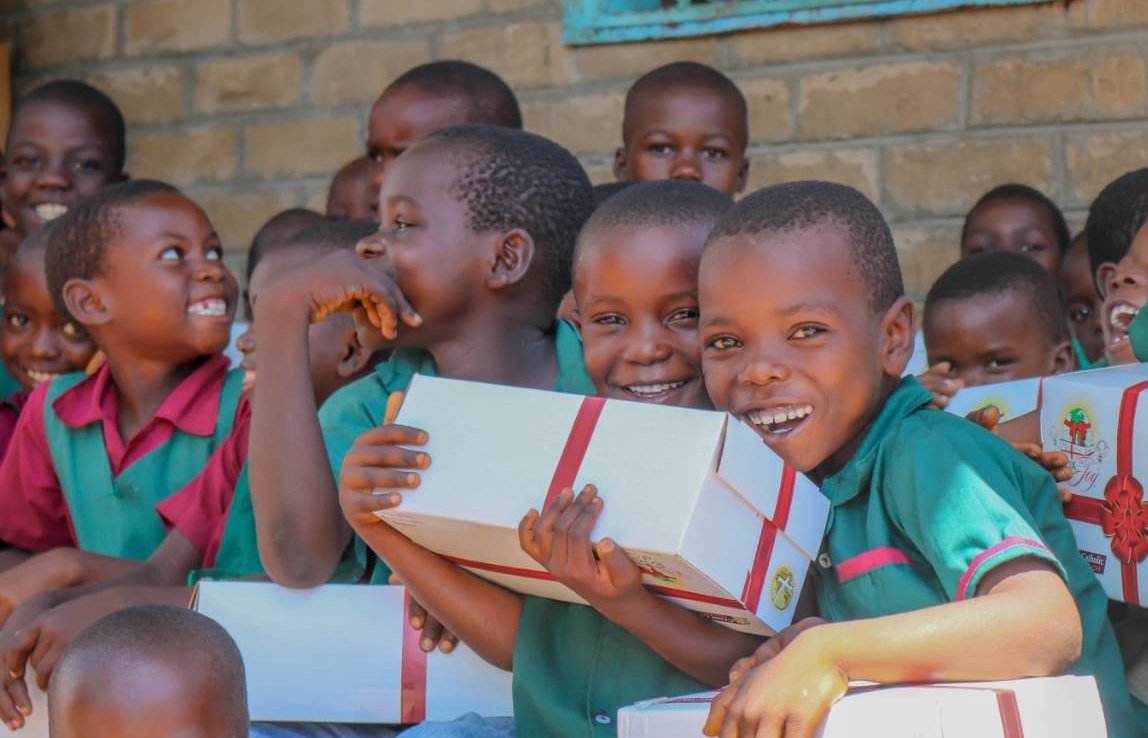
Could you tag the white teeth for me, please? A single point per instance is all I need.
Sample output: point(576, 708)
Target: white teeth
point(214, 308)
point(40, 377)
point(47, 211)
point(1121, 315)
point(769, 418)
point(653, 390)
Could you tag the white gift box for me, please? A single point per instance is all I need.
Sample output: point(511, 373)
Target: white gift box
point(1054, 707)
point(346, 654)
point(1013, 399)
point(714, 519)
point(1099, 419)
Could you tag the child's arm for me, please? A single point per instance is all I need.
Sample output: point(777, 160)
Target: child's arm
point(301, 532)
point(10, 557)
point(483, 615)
point(611, 583)
point(54, 570)
point(1023, 622)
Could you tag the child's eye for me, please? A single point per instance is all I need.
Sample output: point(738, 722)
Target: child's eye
point(88, 166)
point(661, 149)
point(401, 224)
point(25, 162)
point(71, 330)
point(997, 365)
point(17, 320)
point(215, 253)
point(807, 331)
point(723, 343)
point(609, 319)
point(171, 253)
point(714, 154)
point(685, 314)
point(1031, 246)
point(375, 156)
point(1079, 314)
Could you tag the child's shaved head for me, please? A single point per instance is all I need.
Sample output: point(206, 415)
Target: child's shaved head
point(487, 97)
point(678, 76)
point(81, 95)
point(1115, 217)
point(148, 671)
point(796, 206)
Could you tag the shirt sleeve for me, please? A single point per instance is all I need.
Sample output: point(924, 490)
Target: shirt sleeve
point(200, 509)
point(348, 414)
point(958, 498)
point(34, 513)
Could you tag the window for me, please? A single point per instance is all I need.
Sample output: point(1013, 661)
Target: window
point(608, 21)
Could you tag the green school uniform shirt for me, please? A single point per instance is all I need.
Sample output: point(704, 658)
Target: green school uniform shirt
point(358, 407)
point(928, 505)
point(1138, 335)
point(8, 383)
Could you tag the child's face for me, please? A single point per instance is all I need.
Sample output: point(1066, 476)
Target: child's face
point(403, 116)
point(1013, 225)
point(1125, 291)
point(150, 700)
point(638, 313)
point(791, 345)
point(425, 244)
point(688, 133)
point(352, 197)
point(333, 348)
point(36, 342)
point(57, 155)
point(1082, 301)
point(163, 285)
point(993, 338)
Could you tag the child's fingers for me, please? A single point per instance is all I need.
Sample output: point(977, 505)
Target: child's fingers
point(570, 546)
point(617, 566)
point(394, 403)
point(448, 642)
point(8, 712)
point(526, 538)
point(432, 633)
point(718, 709)
point(544, 526)
point(392, 435)
point(368, 479)
point(386, 457)
point(1065, 495)
point(18, 649)
point(417, 614)
point(986, 417)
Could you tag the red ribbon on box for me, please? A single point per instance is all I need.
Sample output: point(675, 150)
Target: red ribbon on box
point(566, 471)
point(1122, 515)
point(413, 695)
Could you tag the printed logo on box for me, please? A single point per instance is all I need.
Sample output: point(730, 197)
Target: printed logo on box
point(782, 586)
point(1076, 437)
point(721, 617)
point(656, 569)
point(1097, 561)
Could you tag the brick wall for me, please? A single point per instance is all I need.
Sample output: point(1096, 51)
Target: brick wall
point(252, 104)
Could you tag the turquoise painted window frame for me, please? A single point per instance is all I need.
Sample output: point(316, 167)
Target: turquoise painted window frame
point(614, 21)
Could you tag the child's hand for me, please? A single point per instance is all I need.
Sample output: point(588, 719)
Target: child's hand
point(1054, 462)
point(378, 461)
point(939, 384)
point(14, 702)
point(788, 696)
point(559, 539)
point(341, 280)
point(434, 634)
point(772, 647)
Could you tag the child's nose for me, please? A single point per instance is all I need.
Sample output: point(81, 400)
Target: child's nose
point(1125, 278)
point(686, 166)
point(371, 247)
point(54, 175)
point(647, 350)
point(764, 368)
point(44, 344)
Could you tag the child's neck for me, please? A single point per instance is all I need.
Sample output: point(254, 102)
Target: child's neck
point(499, 352)
point(842, 456)
point(141, 388)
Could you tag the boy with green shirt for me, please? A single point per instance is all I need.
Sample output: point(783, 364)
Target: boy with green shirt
point(947, 556)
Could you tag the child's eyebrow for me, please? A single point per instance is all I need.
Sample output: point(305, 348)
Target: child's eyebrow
point(809, 307)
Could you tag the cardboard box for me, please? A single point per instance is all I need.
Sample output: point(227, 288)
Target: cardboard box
point(346, 654)
point(1099, 419)
point(715, 520)
point(1055, 707)
point(1013, 399)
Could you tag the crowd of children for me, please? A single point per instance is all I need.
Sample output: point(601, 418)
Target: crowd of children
point(135, 460)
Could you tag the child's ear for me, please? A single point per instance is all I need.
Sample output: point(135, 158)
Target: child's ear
point(355, 358)
point(513, 257)
point(742, 177)
point(620, 164)
point(1063, 358)
point(897, 334)
point(1104, 274)
point(85, 303)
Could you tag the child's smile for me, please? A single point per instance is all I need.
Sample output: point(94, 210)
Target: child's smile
point(1125, 289)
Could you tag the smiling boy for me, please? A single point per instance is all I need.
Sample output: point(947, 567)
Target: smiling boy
point(947, 556)
point(65, 143)
point(685, 121)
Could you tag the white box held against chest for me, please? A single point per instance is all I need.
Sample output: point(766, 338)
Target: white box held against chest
point(1100, 420)
point(714, 519)
point(1013, 399)
point(346, 654)
point(1054, 707)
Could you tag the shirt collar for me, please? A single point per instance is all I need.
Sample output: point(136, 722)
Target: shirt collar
point(906, 399)
point(192, 407)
